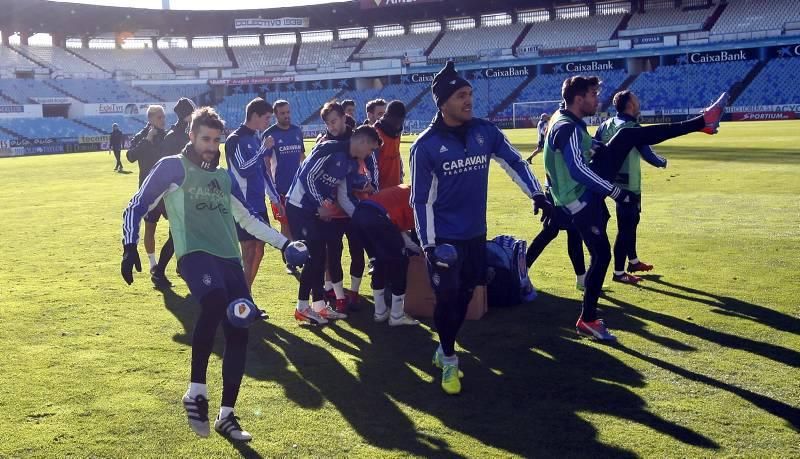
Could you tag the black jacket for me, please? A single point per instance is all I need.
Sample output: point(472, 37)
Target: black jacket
point(117, 139)
point(145, 152)
point(177, 137)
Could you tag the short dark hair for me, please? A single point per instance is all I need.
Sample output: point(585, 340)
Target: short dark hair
point(330, 107)
point(375, 103)
point(208, 117)
point(621, 100)
point(369, 132)
point(348, 103)
point(278, 104)
point(258, 106)
point(578, 86)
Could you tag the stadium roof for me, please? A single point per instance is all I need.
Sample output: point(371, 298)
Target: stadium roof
point(73, 19)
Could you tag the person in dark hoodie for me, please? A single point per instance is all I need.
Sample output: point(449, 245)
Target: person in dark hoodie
point(146, 150)
point(176, 138)
point(115, 143)
point(449, 185)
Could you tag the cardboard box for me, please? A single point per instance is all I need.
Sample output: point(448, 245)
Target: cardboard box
point(420, 299)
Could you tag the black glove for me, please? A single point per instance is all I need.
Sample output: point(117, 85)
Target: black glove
point(623, 197)
point(540, 202)
point(130, 258)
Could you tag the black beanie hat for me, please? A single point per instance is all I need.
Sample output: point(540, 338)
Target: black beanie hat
point(184, 108)
point(396, 109)
point(446, 82)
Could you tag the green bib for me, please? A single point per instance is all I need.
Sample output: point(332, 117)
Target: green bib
point(199, 211)
point(629, 176)
point(563, 187)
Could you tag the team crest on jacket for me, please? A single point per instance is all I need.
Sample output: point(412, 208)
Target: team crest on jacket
point(207, 279)
point(479, 139)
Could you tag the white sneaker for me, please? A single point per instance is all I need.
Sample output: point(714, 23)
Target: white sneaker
point(308, 315)
point(331, 314)
point(197, 414)
point(230, 428)
point(402, 320)
point(381, 317)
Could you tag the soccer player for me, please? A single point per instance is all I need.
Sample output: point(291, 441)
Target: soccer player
point(245, 154)
point(174, 141)
point(449, 182)
point(541, 129)
point(146, 150)
point(284, 158)
point(580, 171)
point(628, 178)
point(375, 110)
point(383, 222)
point(115, 143)
point(321, 184)
point(204, 202)
point(390, 128)
point(349, 107)
point(362, 182)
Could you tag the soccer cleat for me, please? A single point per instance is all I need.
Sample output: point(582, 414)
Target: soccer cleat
point(159, 279)
point(331, 314)
point(381, 317)
point(595, 329)
point(632, 268)
point(341, 305)
point(351, 296)
point(229, 428)
point(329, 296)
point(713, 114)
point(310, 316)
point(582, 287)
point(626, 278)
point(438, 362)
point(197, 414)
point(402, 320)
point(451, 380)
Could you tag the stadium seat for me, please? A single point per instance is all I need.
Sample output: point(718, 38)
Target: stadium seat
point(775, 84)
point(659, 19)
point(23, 90)
point(471, 42)
point(143, 62)
point(61, 60)
point(96, 91)
point(262, 58)
point(748, 16)
point(397, 46)
point(47, 128)
point(570, 33)
point(197, 58)
point(325, 53)
point(688, 86)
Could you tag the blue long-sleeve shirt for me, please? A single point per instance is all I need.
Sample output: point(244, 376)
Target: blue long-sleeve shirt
point(450, 178)
point(244, 153)
point(323, 177)
point(167, 176)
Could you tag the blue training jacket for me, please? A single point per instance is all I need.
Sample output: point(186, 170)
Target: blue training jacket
point(450, 178)
point(323, 176)
point(245, 156)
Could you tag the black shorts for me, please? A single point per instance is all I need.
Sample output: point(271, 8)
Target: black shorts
point(158, 211)
point(204, 272)
point(244, 235)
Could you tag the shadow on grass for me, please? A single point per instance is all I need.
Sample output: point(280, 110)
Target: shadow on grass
point(527, 385)
point(726, 305)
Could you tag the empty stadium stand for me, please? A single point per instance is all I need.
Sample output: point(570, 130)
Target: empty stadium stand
point(22, 91)
point(96, 91)
point(61, 61)
point(477, 41)
point(665, 20)
point(775, 84)
point(134, 61)
point(325, 54)
point(55, 128)
point(263, 58)
point(197, 58)
point(397, 46)
point(742, 19)
point(688, 86)
point(571, 33)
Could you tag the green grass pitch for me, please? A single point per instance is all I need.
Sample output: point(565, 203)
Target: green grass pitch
point(707, 364)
